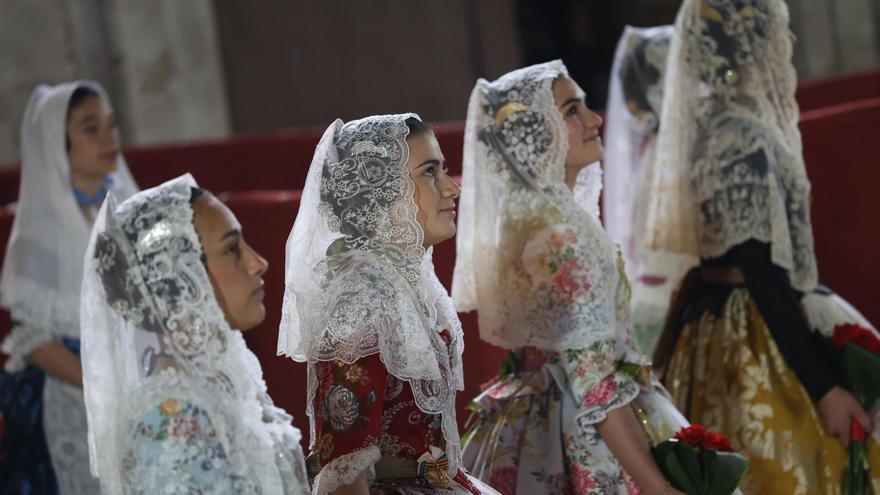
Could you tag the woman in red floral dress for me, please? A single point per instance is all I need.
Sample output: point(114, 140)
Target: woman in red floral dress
point(363, 307)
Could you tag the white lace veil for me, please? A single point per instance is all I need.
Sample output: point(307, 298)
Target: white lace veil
point(358, 281)
point(632, 119)
point(152, 330)
point(42, 271)
point(729, 164)
point(516, 142)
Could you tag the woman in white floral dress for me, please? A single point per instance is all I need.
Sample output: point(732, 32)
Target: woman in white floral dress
point(576, 406)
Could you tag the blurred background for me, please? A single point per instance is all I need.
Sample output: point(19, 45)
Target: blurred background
point(183, 70)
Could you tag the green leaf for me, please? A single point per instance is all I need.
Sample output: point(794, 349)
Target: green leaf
point(727, 473)
point(666, 456)
point(860, 369)
point(690, 458)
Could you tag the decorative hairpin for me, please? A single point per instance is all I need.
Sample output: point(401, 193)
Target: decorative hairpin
point(509, 109)
point(364, 147)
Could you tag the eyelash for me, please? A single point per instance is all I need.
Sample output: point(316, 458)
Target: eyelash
point(235, 249)
point(432, 170)
point(572, 110)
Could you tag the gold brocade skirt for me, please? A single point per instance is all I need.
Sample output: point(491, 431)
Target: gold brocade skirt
point(728, 374)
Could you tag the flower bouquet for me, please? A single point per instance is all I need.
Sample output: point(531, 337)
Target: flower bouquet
point(700, 462)
point(857, 351)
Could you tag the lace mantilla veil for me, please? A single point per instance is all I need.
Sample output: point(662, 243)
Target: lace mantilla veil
point(729, 164)
point(153, 330)
point(516, 142)
point(359, 281)
point(632, 119)
point(41, 281)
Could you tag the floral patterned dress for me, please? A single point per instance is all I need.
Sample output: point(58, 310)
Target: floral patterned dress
point(177, 450)
point(365, 416)
point(534, 428)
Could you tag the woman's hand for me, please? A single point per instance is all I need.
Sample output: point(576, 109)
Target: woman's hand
point(838, 408)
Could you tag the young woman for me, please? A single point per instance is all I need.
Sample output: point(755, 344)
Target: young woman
point(732, 192)
point(364, 308)
point(70, 160)
point(632, 118)
point(176, 402)
point(576, 406)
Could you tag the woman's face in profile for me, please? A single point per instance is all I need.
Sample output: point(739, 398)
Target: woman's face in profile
point(435, 192)
point(235, 269)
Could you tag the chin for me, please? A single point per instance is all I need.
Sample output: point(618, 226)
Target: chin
point(255, 318)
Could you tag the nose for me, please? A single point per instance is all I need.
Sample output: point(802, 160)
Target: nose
point(450, 189)
point(593, 120)
point(257, 264)
point(110, 137)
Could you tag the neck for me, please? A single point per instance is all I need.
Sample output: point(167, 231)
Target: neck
point(571, 175)
point(87, 183)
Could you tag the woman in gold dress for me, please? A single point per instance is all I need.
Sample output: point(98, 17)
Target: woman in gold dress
point(732, 192)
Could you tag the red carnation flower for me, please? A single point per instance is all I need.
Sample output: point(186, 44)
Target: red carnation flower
point(856, 432)
point(692, 435)
point(697, 436)
point(855, 335)
point(716, 441)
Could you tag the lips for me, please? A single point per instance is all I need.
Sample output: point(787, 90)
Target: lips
point(450, 210)
point(261, 290)
point(109, 155)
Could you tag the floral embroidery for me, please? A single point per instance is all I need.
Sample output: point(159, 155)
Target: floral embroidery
point(581, 479)
point(340, 407)
point(354, 373)
point(503, 479)
point(360, 405)
point(533, 359)
point(601, 394)
point(184, 427)
point(175, 449)
point(326, 447)
point(170, 407)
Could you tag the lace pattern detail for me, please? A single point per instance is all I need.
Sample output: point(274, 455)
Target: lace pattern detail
point(742, 159)
point(345, 469)
point(824, 312)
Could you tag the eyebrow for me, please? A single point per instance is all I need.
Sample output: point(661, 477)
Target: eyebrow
point(89, 119)
point(231, 233)
point(573, 99)
point(432, 161)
